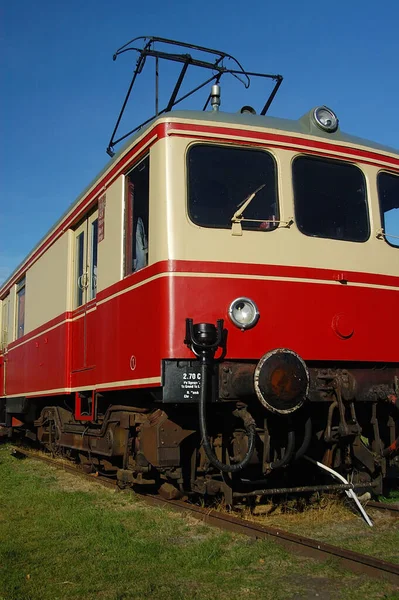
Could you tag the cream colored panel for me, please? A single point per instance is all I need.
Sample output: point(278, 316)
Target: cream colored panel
point(12, 314)
point(282, 246)
point(161, 212)
point(47, 285)
point(110, 249)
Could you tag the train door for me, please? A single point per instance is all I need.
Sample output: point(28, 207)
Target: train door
point(85, 291)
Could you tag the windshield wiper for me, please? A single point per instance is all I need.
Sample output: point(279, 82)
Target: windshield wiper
point(238, 215)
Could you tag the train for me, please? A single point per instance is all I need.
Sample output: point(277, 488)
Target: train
point(216, 315)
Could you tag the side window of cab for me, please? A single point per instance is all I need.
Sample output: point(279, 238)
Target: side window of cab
point(388, 193)
point(137, 216)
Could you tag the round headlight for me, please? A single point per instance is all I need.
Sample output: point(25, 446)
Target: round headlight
point(325, 118)
point(244, 313)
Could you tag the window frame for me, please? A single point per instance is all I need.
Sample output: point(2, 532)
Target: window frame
point(128, 218)
point(342, 161)
point(382, 214)
point(20, 292)
point(83, 289)
point(5, 320)
point(265, 151)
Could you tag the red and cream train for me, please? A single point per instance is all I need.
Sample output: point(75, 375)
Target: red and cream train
point(220, 303)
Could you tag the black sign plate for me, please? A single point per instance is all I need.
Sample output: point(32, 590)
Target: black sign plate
point(182, 381)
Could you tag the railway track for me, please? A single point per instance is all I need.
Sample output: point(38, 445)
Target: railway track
point(353, 561)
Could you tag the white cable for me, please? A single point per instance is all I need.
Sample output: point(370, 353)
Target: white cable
point(349, 493)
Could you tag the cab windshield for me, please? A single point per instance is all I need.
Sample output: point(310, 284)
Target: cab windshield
point(330, 199)
point(221, 178)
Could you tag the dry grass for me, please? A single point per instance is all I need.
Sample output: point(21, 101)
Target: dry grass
point(321, 510)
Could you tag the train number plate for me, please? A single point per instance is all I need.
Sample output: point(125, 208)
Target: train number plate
point(182, 381)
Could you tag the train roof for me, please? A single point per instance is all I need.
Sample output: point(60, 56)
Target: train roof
point(303, 126)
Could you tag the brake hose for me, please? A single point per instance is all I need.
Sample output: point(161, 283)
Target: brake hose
point(306, 440)
point(243, 414)
point(289, 451)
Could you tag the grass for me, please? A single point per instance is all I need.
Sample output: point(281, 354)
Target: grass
point(336, 521)
point(391, 497)
point(62, 538)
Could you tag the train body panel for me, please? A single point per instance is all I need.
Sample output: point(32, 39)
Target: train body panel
point(112, 343)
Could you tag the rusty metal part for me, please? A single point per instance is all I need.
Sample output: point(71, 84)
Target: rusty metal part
point(328, 437)
point(369, 384)
point(379, 383)
point(281, 381)
point(343, 429)
point(371, 465)
point(127, 478)
point(302, 489)
point(377, 445)
point(236, 380)
point(169, 492)
point(160, 439)
point(5, 432)
point(391, 509)
point(330, 380)
point(58, 428)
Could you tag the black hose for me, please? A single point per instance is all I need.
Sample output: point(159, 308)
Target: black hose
point(289, 451)
point(306, 439)
point(249, 425)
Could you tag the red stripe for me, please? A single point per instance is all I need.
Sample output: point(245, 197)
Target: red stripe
point(294, 314)
point(291, 142)
point(52, 323)
point(282, 271)
point(225, 268)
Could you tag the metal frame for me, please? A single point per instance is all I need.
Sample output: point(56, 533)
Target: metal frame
point(218, 68)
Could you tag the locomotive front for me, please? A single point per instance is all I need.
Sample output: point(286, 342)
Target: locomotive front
point(282, 343)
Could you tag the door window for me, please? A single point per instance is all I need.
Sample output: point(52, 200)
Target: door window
point(21, 308)
point(86, 260)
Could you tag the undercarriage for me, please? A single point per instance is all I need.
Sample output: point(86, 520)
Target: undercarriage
point(348, 423)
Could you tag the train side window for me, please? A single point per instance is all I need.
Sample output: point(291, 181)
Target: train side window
point(137, 217)
point(4, 322)
point(330, 199)
point(220, 179)
point(80, 266)
point(93, 237)
point(86, 255)
point(388, 192)
point(21, 307)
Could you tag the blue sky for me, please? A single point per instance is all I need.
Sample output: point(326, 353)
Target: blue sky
point(61, 91)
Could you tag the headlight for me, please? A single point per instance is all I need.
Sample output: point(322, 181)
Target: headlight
point(325, 118)
point(244, 313)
